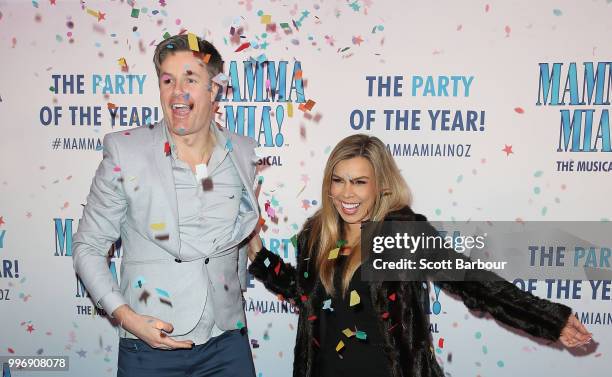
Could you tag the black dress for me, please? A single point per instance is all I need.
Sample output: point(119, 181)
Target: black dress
point(362, 352)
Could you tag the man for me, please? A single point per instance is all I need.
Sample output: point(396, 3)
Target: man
point(179, 195)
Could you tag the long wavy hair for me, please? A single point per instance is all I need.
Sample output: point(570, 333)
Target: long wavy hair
point(327, 227)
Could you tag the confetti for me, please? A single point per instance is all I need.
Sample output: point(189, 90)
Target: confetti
point(333, 254)
point(519, 110)
point(354, 299)
point(158, 226)
point(162, 292)
point(135, 12)
point(267, 262)
point(307, 106)
point(348, 333)
point(339, 346)
point(193, 42)
point(327, 305)
point(361, 335)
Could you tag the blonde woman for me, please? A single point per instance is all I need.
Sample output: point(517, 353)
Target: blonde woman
point(387, 333)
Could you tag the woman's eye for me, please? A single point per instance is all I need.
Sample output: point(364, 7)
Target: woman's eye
point(361, 182)
point(191, 81)
point(167, 81)
point(336, 180)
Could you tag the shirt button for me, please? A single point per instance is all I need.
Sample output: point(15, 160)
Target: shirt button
point(178, 260)
point(206, 261)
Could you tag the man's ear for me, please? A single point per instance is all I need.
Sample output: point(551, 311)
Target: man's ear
point(214, 91)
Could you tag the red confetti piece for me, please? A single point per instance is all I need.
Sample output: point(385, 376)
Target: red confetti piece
point(117, 169)
point(441, 342)
point(392, 296)
point(243, 46)
point(519, 110)
point(312, 318)
point(10, 350)
point(304, 298)
point(167, 148)
point(277, 268)
point(385, 315)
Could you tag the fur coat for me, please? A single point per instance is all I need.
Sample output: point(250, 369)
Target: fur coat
point(403, 322)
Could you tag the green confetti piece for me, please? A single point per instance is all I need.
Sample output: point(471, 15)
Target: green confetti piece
point(485, 350)
point(340, 243)
point(361, 335)
point(438, 211)
point(239, 325)
point(544, 210)
point(538, 173)
point(305, 274)
point(460, 178)
point(438, 351)
point(478, 335)
point(285, 25)
point(536, 190)
point(51, 88)
point(557, 12)
point(500, 364)
point(135, 12)
point(328, 149)
point(167, 35)
point(260, 179)
point(260, 13)
point(294, 240)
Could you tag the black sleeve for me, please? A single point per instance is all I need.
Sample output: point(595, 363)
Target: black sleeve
point(504, 301)
point(276, 275)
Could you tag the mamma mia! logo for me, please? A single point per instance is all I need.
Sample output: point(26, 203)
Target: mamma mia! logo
point(581, 91)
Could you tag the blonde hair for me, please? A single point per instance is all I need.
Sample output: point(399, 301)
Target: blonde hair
point(327, 227)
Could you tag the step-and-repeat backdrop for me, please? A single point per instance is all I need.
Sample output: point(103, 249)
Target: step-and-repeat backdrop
point(494, 110)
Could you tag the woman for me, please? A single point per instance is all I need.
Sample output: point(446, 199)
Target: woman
point(349, 327)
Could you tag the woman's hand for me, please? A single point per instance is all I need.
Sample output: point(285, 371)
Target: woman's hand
point(574, 333)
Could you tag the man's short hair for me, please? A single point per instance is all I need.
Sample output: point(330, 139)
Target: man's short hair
point(208, 53)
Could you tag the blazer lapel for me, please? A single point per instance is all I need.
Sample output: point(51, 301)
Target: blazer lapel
point(164, 169)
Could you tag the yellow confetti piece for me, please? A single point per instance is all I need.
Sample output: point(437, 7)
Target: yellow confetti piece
point(158, 226)
point(290, 109)
point(122, 62)
point(355, 299)
point(266, 19)
point(348, 333)
point(333, 254)
point(339, 346)
point(193, 42)
point(92, 12)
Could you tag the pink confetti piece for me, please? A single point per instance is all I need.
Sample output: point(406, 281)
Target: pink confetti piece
point(519, 110)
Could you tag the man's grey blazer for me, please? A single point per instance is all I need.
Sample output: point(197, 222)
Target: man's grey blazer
point(133, 197)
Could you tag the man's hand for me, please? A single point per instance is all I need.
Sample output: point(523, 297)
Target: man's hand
point(255, 246)
point(574, 333)
point(149, 329)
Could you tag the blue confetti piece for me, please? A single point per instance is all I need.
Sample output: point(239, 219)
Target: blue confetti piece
point(161, 292)
point(139, 282)
point(228, 145)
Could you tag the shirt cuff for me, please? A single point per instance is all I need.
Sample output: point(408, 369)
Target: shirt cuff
point(111, 301)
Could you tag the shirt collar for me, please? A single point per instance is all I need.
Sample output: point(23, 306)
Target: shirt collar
point(223, 143)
